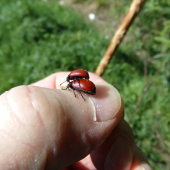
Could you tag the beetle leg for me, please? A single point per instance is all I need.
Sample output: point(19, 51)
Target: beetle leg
point(81, 95)
point(78, 82)
point(74, 93)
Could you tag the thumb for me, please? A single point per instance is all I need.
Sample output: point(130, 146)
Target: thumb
point(51, 129)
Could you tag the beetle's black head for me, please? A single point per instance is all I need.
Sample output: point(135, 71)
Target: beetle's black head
point(69, 85)
point(68, 78)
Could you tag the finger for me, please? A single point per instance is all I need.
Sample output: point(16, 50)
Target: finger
point(53, 81)
point(139, 161)
point(117, 151)
point(84, 164)
point(51, 129)
point(48, 82)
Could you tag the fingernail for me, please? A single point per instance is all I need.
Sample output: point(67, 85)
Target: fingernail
point(107, 102)
point(120, 156)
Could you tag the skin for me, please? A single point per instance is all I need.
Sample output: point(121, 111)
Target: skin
point(44, 127)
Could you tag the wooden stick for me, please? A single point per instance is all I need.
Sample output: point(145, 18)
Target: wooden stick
point(120, 33)
point(146, 89)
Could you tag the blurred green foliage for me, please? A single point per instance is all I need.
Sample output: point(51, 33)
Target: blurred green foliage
point(38, 38)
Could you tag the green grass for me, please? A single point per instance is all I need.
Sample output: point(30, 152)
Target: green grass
point(39, 38)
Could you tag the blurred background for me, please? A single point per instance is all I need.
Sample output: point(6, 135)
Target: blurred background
point(38, 38)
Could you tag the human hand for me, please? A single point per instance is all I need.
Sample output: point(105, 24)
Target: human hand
point(45, 128)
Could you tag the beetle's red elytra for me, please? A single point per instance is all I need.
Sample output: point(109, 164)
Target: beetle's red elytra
point(77, 74)
point(79, 80)
point(82, 85)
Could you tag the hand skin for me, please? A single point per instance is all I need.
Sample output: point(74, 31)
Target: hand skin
point(44, 127)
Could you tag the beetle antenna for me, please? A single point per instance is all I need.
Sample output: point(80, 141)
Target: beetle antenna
point(63, 82)
point(82, 96)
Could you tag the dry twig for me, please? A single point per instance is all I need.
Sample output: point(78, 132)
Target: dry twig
point(120, 33)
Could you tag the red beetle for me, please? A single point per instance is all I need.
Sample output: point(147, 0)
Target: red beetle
point(77, 74)
point(82, 85)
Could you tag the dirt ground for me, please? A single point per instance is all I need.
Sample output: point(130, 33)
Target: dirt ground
point(102, 21)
